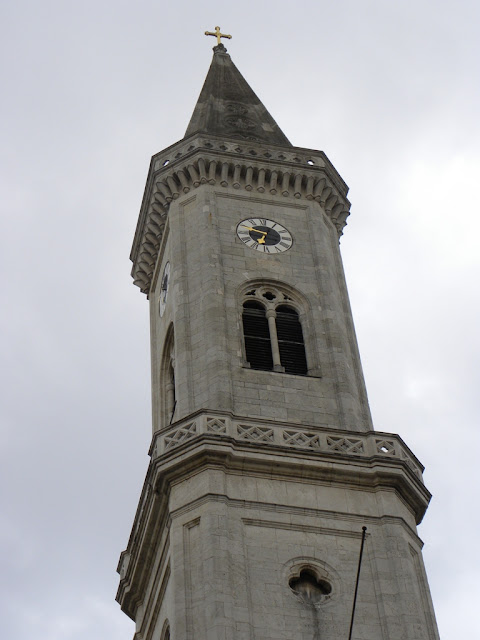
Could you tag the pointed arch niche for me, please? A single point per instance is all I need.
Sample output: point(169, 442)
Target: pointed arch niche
point(167, 379)
point(277, 327)
point(165, 631)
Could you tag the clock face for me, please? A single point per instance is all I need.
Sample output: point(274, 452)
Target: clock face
point(164, 288)
point(264, 235)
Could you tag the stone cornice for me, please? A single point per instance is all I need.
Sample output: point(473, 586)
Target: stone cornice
point(372, 461)
point(338, 444)
point(283, 172)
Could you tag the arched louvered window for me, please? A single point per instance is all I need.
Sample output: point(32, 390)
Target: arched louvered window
point(166, 631)
point(167, 380)
point(257, 336)
point(170, 388)
point(290, 341)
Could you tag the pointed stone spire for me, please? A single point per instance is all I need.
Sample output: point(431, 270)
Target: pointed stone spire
point(228, 107)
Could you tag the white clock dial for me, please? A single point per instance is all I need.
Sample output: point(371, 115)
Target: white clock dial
point(164, 288)
point(264, 235)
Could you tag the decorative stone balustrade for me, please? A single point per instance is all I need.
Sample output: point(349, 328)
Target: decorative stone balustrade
point(312, 439)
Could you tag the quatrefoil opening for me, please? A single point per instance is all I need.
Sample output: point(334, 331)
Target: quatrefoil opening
point(309, 586)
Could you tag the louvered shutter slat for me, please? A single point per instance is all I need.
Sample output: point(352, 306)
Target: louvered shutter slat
point(257, 339)
point(290, 343)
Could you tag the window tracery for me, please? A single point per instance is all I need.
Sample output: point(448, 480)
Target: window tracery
point(272, 330)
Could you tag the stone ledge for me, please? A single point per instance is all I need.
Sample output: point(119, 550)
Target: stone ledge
point(214, 449)
point(294, 173)
point(315, 440)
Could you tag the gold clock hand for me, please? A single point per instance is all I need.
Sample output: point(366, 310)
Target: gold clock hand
point(256, 230)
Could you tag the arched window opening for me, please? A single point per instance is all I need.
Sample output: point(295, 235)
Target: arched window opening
point(257, 336)
point(167, 380)
point(170, 389)
point(274, 331)
point(166, 631)
point(290, 341)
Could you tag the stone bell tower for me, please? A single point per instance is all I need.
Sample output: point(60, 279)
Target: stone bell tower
point(264, 462)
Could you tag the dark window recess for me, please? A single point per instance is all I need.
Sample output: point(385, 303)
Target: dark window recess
point(257, 336)
point(290, 341)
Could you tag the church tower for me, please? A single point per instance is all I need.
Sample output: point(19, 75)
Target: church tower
point(265, 465)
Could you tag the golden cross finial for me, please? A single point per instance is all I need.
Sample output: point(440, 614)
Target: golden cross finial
point(217, 34)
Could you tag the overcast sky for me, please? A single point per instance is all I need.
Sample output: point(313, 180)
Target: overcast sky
point(390, 91)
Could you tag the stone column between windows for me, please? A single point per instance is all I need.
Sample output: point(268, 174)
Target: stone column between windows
point(272, 327)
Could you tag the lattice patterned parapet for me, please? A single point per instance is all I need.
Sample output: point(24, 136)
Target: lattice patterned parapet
point(387, 447)
point(345, 445)
point(180, 435)
point(406, 458)
point(301, 439)
point(254, 434)
point(318, 442)
point(216, 425)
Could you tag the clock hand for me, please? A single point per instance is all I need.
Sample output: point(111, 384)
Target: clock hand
point(264, 233)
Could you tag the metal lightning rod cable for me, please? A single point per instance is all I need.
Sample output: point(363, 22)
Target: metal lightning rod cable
point(364, 532)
